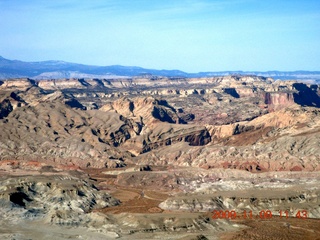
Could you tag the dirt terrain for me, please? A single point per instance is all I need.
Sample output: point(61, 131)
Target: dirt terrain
point(277, 228)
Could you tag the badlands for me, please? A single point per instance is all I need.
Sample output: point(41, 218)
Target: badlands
point(232, 157)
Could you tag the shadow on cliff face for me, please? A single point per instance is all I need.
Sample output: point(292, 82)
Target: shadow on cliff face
point(20, 198)
point(306, 96)
point(200, 139)
point(162, 115)
point(232, 92)
point(5, 108)
point(75, 104)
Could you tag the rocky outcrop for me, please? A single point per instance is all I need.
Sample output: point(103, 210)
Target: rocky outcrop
point(8, 102)
point(17, 84)
point(147, 110)
point(74, 83)
point(60, 192)
point(156, 118)
point(276, 100)
point(169, 134)
point(5, 108)
point(51, 130)
point(53, 199)
point(62, 84)
point(306, 96)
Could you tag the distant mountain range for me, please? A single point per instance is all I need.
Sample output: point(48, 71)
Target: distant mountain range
point(61, 69)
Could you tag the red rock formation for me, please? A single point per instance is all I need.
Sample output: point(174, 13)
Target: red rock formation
point(278, 100)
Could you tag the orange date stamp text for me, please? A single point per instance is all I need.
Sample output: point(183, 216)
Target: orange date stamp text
point(263, 214)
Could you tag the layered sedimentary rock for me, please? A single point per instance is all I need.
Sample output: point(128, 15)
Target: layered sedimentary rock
point(58, 128)
point(17, 84)
point(242, 143)
point(230, 122)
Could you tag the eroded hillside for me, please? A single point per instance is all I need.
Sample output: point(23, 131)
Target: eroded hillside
point(159, 146)
point(248, 122)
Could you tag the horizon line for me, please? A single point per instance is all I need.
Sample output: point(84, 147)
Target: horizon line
point(162, 69)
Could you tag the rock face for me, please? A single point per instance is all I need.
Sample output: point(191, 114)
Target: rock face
point(58, 188)
point(274, 100)
point(54, 201)
point(8, 102)
point(157, 120)
point(60, 199)
point(17, 84)
point(148, 109)
point(6, 108)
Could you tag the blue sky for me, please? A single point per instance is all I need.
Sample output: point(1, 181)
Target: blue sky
point(190, 35)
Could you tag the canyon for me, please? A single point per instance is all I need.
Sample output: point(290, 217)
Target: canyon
point(145, 157)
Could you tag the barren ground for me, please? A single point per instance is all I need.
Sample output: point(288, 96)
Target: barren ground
point(137, 200)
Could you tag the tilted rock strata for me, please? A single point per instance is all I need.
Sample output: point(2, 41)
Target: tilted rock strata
point(243, 122)
point(282, 140)
point(55, 197)
point(52, 130)
point(56, 127)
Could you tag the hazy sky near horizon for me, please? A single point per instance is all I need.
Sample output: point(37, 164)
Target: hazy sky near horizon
point(189, 35)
